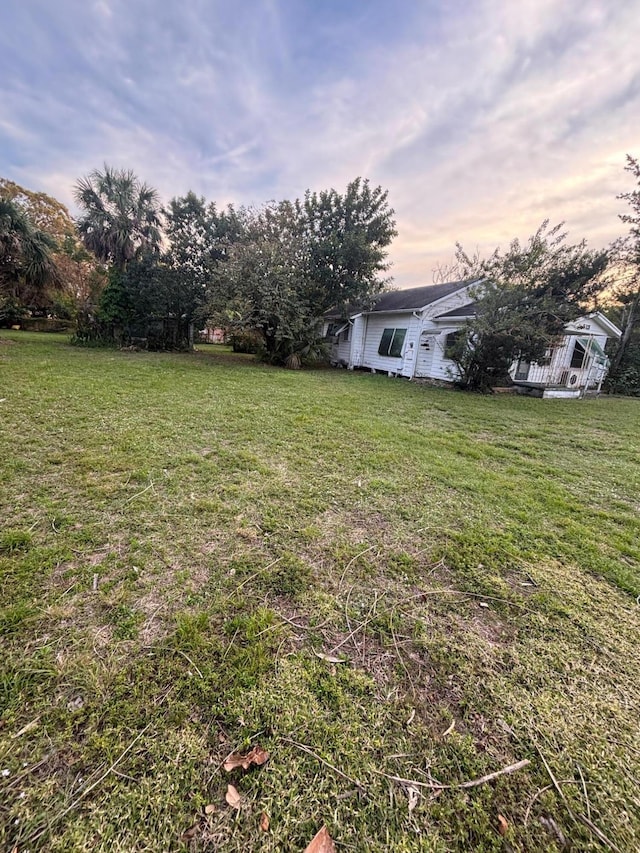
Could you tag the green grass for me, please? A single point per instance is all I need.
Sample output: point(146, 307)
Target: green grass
point(183, 536)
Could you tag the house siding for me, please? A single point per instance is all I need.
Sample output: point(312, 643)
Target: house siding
point(376, 324)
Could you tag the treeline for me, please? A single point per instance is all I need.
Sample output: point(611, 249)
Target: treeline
point(270, 271)
point(132, 270)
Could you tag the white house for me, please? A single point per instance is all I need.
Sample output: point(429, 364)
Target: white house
point(407, 333)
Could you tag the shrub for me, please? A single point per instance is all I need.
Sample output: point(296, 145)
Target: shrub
point(245, 340)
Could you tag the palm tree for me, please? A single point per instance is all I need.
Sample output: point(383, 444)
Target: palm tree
point(122, 215)
point(26, 256)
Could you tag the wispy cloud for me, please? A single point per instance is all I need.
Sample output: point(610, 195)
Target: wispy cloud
point(481, 118)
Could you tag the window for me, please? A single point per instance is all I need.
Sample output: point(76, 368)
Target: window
point(345, 334)
point(577, 359)
point(333, 329)
point(391, 342)
point(451, 341)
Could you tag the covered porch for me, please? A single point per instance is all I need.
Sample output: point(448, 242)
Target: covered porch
point(571, 368)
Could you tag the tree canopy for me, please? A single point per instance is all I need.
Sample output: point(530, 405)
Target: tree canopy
point(625, 364)
point(121, 218)
point(27, 266)
point(291, 261)
point(348, 235)
point(525, 297)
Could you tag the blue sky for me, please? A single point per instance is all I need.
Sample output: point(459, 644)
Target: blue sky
point(481, 117)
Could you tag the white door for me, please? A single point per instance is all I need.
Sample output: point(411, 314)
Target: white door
point(424, 361)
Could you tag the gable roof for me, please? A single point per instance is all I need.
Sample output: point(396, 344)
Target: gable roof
point(467, 310)
point(415, 298)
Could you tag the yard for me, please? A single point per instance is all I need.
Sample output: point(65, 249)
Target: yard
point(371, 580)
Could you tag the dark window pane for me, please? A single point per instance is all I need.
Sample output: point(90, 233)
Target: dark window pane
point(385, 342)
point(395, 350)
point(578, 356)
point(450, 342)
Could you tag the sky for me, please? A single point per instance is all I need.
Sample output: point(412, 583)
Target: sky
point(481, 118)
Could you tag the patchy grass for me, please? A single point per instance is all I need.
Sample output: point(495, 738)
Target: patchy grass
point(183, 538)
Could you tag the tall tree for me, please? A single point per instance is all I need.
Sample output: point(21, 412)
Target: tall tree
point(291, 261)
point(348, 236)
point(121, 218)
point(81, 276)
point(263, 284)
point(199, 238)
point(525, 296)
point(27, 266)
point(626, 256)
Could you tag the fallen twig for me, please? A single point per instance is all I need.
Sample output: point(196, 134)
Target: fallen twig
point(472, 783)
point(88, 790)
point(424, 594)
point(449, 730)
point(542, 791)
point(351, 561)
point(250, 578)
point(309, 751)
point(577, 818)
point(584, 789)
point(598, 833)
point(138, 494)
point(556, 784)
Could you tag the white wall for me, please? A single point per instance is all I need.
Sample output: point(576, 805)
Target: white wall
point(358, 327)
point(375, 326)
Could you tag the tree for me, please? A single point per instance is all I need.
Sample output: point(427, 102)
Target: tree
point(199, 239)
point(27, 266)
point(121, 218)
point(348, 236)
point(290, 261)
point(626, 259)
point(263, 285)
point(80, 276)
point(525, 296)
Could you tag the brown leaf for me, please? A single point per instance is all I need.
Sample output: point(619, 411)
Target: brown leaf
point(503, 825)
point(329, 658)
point(321, 843)
point(209, 809)
point(189, 834)
point(233, 797)
point(257, 756)
point(264, 822)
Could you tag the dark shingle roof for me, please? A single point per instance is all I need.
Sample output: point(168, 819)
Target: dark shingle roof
point(416, 297)
point(341, 313)
point(467, 310)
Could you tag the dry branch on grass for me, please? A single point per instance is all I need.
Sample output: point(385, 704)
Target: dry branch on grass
point(473, 783)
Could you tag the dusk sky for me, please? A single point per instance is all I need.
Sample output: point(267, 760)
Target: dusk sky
point(481, 117)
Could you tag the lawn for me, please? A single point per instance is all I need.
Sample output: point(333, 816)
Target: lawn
point(373, 581)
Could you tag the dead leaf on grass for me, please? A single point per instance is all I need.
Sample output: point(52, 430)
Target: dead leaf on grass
point(233, 797)
point(209, 809)
point(503, 825)
point(321, 843)
point(329, 658)
point(257, 756)
point(264, 822)
point(189, 834)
